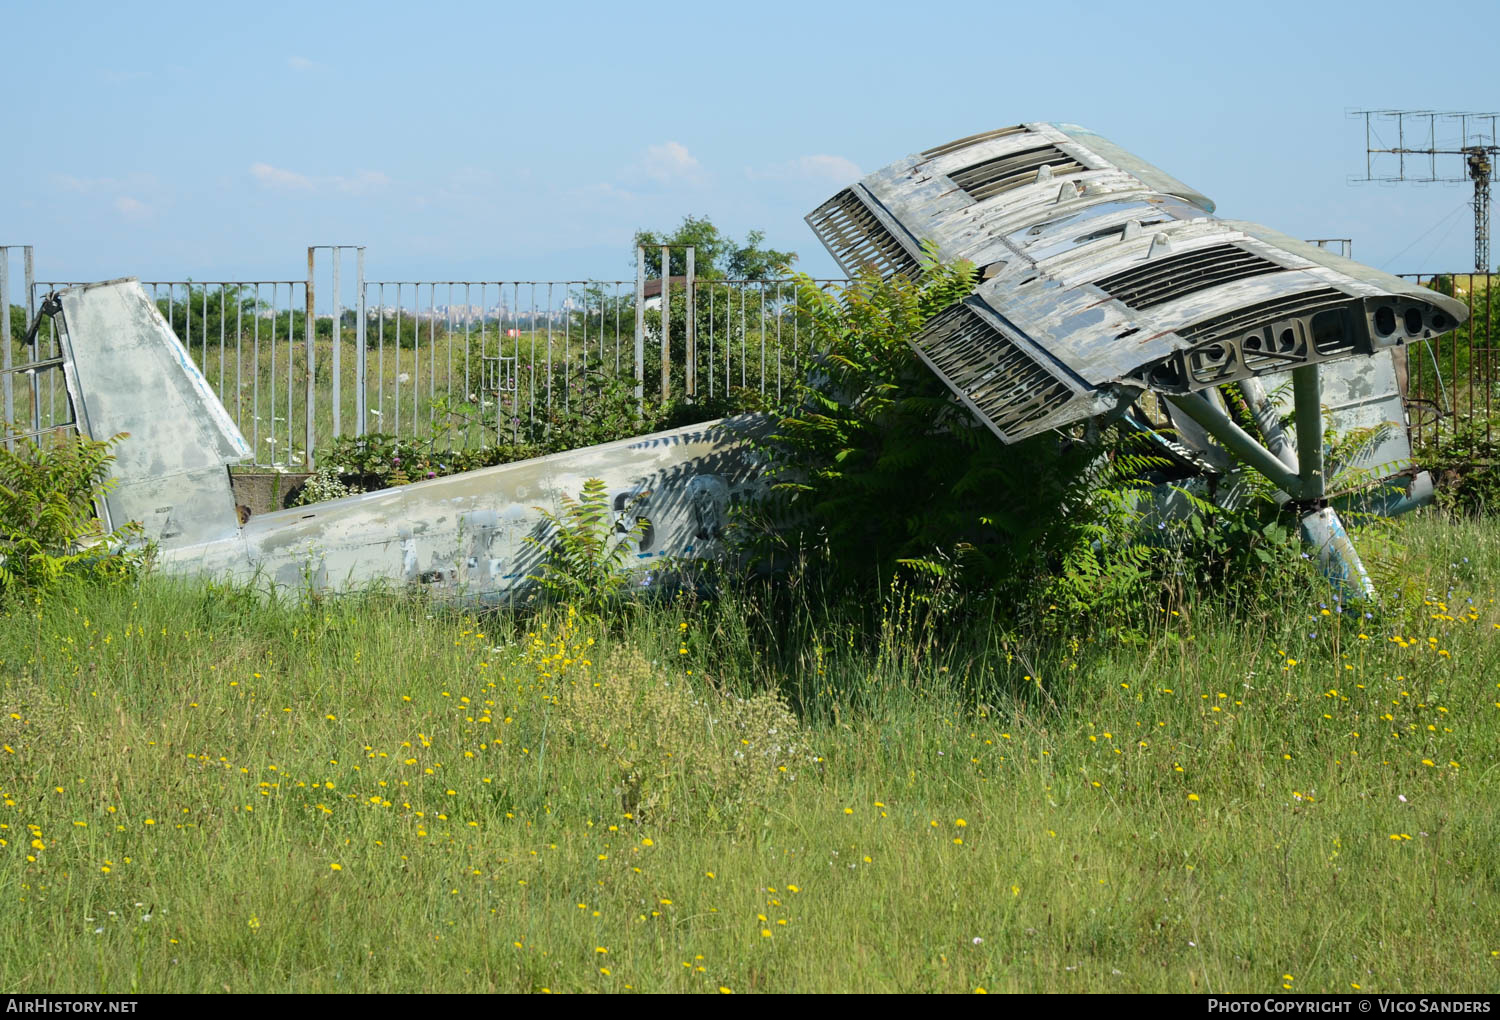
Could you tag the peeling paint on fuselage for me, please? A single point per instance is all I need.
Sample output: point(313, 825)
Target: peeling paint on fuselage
point(482, 534)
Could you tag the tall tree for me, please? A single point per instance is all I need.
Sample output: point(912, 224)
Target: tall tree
point(717, 257)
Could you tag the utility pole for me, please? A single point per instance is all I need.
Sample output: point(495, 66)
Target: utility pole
point(1422, 133)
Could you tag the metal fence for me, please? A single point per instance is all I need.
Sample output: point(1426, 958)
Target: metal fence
point(471, 362)
point(458, 363)
point(1451, 380)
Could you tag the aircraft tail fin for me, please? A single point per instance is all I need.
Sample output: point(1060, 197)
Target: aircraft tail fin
point(127, 372)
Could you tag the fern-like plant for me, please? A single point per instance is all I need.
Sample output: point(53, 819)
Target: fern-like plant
point(48, 530)
point(898, 478)
point(589, 548)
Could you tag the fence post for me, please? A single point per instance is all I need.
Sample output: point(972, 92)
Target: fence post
point(666, 322)
point(690, 368)
point(5, 358)
point(35, 380)
point(310, 329)
point(338, 341)
point(640, 332)
point(361, 359)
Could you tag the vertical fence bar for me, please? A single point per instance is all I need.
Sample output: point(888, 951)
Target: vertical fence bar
point(361, 357)
point(691, 364)
point(448, 329)
point(666, 322)
point(223, 324)
point(483, 351)
point(338, 343)
point(1472, 353)
point(380, 359)
point(271, 422)
point(291, 362)
point(779, 354)
point(396, 385)
point(311, 331)
point(416, 357)
point(711, 363)
point(239, 357)
point(763, 338)
point(5, 357)
point(202, 325)
point(796, 339)
point(568, 348)
point(1453, 368)
point(468, 328)
point(640, 331)
point(1489, 354)
point(255, 376)
point(34, 384)
point(549, 359)
point(432, 319)
point(515, 400)
point(531, 370)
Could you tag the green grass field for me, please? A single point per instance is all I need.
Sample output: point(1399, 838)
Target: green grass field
point(202, 792)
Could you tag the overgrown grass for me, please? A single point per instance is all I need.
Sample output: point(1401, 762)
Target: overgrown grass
point(202, 792)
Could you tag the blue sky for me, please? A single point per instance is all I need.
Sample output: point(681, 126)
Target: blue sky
point(499, 141)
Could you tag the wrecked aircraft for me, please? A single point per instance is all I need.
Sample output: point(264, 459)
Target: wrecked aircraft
point(462, 534)
point(1109, 288)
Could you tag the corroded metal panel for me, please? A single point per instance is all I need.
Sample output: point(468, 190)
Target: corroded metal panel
point(467, 535)
point(128, 373)
point(1115, 275)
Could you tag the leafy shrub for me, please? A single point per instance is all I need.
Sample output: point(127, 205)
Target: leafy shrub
point(1463, 462)
point(588, 550)
point(48, 531)
point(896, 479)
point(379, 460)
point(899, 478)
point(600, 409)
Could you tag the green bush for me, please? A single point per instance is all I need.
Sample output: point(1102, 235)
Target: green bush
point(49, 533)
point(600, 408)
point(588, 550)
point(1462, 461)
point(897, 480)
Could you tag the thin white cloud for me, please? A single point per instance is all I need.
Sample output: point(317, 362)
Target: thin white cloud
point(132, 208)
point(284, 180)
point(605, 192)
point(83, 185)
point(669, 163)
point(821, 167)
point(364, 182)
point(104, 185)
point(297, 63)
point(279, 179)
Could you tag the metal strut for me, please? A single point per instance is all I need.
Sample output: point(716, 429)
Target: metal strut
point(1300, 476)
